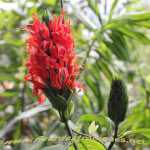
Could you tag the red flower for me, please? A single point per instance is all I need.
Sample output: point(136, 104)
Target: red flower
point(52, 61)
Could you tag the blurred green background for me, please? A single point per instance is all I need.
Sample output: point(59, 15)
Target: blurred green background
point(110, 36)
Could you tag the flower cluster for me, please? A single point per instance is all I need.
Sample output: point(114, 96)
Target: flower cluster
point(52, 62)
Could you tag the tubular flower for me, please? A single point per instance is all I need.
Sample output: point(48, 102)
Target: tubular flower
point(52, 62)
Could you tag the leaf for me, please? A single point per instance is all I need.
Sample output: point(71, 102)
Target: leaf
point(56, 113)
point(79, 127)
point(132, 3)
point(93, 87)
point(94, 7)
point(115, 24)
point(51, 2)
point(120, 37)
point(72, 125)
point(94, 71)
point(6, 76)
point(8, 94)
point(86, 100)
point(58, 102)
point(114, 48)
point(112, 8)
point(103, 67)
point(25, 114)
point(138, 16)
point(3, 106)
point(92, 128)
point(70, 109)
point(144, 131)
point(56, 147)
point(96, 90)
point(89, 145)
point(97, 118)
point(143, 23)
point(84, 19)
point(102, 53)
point(135, 35)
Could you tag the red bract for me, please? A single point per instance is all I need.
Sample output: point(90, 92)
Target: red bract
point(52, 61)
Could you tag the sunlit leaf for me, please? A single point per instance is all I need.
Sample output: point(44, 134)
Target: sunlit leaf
point(144, 131)
point(89, 145)
point(112, 8)
point(97, 118)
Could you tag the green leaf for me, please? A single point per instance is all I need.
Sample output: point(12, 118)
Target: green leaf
point(94, 71)
point(92, 128)
point(58, 102)
point(115, 50)
point(51, 2)
point(115, 24)
point(120, 37)
point(97, 118)
point(79, 127)
point(102, 53)
point(84, 19)
point(132, 3)
point(96, 91)
point(57, 147)
point(112, 8)
point(94, 7)
point(86, 100)
point(103, 67)
point(8, 94)
point(143, 23)
point(70, 109)
point(135, 35)
point(3, 106)
point(138, 16)
point(89, 145)
point(56, 113)
point(6, 76)
point(144, 131)
point(17, 131)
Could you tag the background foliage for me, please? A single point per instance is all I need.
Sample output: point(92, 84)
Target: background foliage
point(110, 37)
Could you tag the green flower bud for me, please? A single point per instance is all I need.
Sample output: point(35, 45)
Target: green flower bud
point(118, 100)
point(45, 17)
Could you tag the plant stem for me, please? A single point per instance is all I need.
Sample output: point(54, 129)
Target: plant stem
point(65, 121)
point(115, 136)
point(82, 134)
point(62, 10)
point(70, 134)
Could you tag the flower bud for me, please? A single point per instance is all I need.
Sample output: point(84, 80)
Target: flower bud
point(118, 100)
point(45, 17)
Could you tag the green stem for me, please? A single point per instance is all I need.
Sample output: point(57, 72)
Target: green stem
point(62, 9)
point(65, 121)
point(115, 136)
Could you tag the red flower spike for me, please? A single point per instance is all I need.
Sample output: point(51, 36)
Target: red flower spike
point(52, 62)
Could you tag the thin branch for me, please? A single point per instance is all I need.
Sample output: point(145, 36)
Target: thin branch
point(65, 121)
point(115, 136)
point(82, 134)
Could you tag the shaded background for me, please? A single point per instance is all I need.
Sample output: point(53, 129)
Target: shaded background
point(110, 37)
